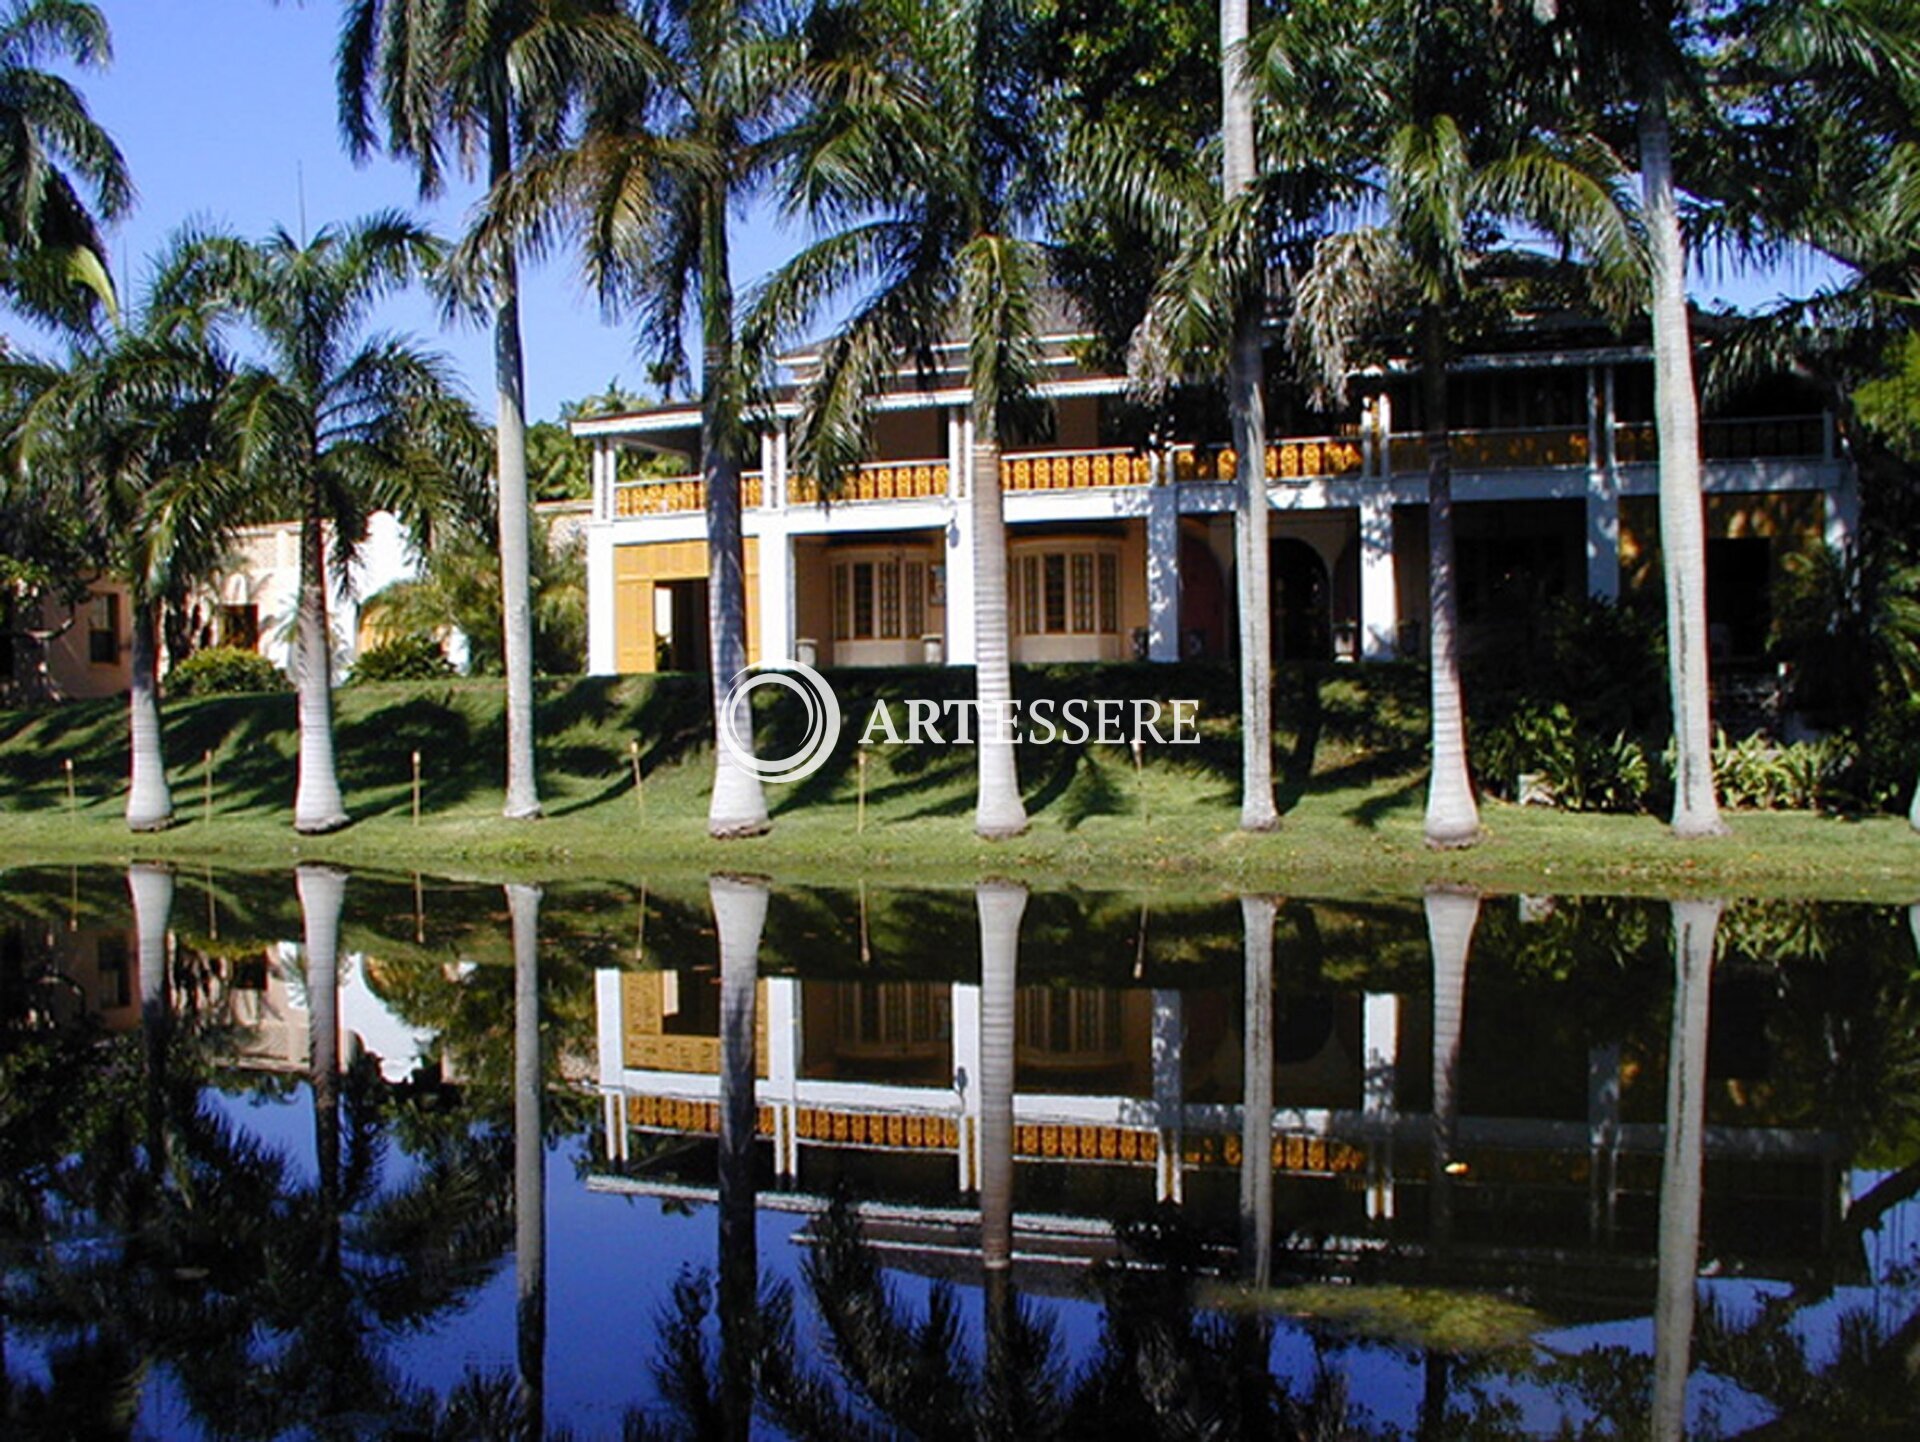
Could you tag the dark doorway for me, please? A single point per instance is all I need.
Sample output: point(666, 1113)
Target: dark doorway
point(1302, 619)
point(1738, 611)
point(1203, 602)
point(683, 644)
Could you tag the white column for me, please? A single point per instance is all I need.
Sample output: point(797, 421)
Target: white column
point(602, 607)
point(1379, 601)
point(783, 1070)
point(1603, 490)
point(1842, 500)
point(609, 1025)
point(1163, 573)
point(1603, 536)
point(966, 1081)
point(1603, 1131)
point(959, 550)
point(1169, 1095)
point(776, 589)
point(1380, 1048)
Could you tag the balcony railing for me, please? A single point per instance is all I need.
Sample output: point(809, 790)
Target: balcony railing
point(1530, 448)
point(1732, 439)
point(879, 481)
point(1309, 459)
point(675, 494)
point(1075, 470)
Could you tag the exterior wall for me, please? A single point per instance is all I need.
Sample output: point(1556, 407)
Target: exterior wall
point(1791, 521)
point(71, 670)
point(640, 569)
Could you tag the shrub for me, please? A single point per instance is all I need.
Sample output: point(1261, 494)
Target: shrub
point(225, 671)
point(1756, 775)
point(404, 658)
point(1581, 769)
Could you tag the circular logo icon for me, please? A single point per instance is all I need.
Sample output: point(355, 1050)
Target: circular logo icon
point(822, 712)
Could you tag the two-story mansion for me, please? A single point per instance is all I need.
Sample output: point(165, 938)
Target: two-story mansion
point(1120, 524)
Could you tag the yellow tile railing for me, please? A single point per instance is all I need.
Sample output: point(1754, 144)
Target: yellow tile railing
point(1075, 470)
point(879, 481)
point(1527, 448)
point(676, 494)
point(1308, 459)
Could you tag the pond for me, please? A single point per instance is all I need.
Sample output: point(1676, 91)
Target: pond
point(311, 1154)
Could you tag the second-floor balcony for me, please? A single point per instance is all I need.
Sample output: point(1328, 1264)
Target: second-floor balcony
point(1290, 461)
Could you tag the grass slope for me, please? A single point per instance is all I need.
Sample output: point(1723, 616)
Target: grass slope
point(1350, 746)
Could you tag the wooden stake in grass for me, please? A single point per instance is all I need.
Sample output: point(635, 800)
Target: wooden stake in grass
point(207, 785)
point(416, 788)
point(860, 805)
point(67, 763)
point(419, 908)
point(1140, 775)
point(639, 777)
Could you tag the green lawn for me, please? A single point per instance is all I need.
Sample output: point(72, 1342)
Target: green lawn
point(1351, 794)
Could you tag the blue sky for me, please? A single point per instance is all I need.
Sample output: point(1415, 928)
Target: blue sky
point(226, 112)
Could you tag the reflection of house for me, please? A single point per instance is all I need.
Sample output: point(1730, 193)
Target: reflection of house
point(1127, 1095)
point(1120, 526)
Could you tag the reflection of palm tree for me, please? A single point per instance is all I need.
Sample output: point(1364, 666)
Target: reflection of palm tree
point(739, 914)
point(529, 1163)
point(1694, 926)
point(1256, 1117)
point(1451, 917)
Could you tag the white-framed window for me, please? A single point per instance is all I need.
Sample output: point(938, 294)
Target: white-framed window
point(1066, 589)
point(879, 597)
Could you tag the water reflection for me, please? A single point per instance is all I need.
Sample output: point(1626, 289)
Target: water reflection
point(1465, 1159)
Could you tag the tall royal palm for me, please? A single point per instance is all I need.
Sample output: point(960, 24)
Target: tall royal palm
point(335, 424)
point(1453, 168)
point(920, 144)
point(1640, 51)
point(60, 172)
point(136, 421)
point(494, 78)
point(669, 143)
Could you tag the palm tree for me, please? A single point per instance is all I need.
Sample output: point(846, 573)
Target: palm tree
point(920, 142)
point(60, 172)
point(137, 421)
point(338, 423)
point(739, 916)
point(492, 79)
point(1452, 168)
point(668, 146)
point(1246, 382)
point(529, 1164)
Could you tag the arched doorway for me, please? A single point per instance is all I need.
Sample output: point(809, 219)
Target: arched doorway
point(1302, 613)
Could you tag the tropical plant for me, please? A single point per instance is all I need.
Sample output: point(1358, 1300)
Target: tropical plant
point(60, 172)
point(411, 657)
point(669, 144)
point(498, 80)
point(335, 425)
point(140, 422)
point(457, 591)
point(1464, 151)
point(919, 146)
point(225, 671)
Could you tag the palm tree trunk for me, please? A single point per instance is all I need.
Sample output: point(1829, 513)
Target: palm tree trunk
point(1682, 516)
point(1001, 906)
point(1913, 809)
point(737, 807)
point(149, 802)
point(322, 891)
point(998, 810)
point(1694, 925)
point(317, 806)
point(739, 915)
point(1246, 411)
point(152, 890)
point(529, 1166)
point(1451, 918)
point(1453, 818)
point(510, 441)
point(1256, 1110)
